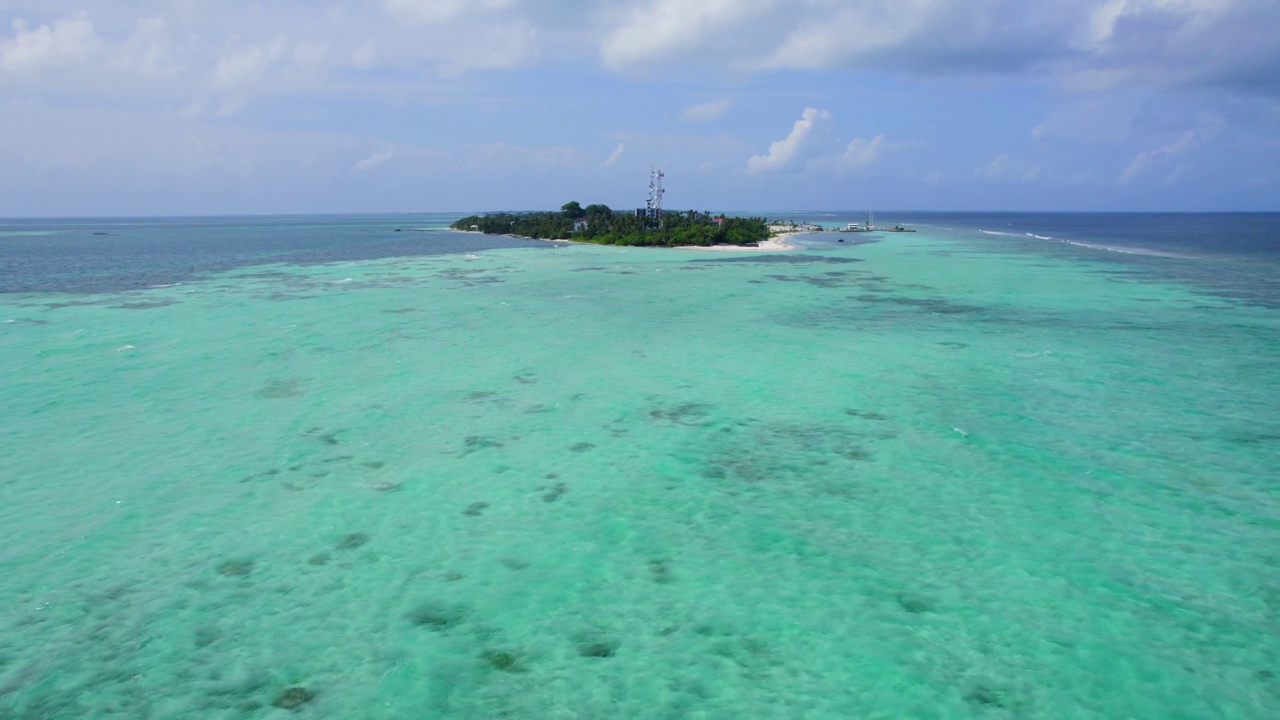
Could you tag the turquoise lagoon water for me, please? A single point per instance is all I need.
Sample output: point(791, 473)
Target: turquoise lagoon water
point(943, 475)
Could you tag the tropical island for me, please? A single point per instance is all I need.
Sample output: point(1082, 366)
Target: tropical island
point(600, 224)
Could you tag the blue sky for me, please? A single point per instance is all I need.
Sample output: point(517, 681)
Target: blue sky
point(145, 107)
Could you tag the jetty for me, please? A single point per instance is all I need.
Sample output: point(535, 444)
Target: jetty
point(871, 226)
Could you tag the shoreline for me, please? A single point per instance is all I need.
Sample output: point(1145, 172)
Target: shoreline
point(777, 243)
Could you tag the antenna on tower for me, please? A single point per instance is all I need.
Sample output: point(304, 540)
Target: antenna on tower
point(653, 206)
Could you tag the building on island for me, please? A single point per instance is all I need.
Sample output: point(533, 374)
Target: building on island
point(580, 224)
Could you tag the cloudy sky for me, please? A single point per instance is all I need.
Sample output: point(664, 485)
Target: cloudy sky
point(118, 107)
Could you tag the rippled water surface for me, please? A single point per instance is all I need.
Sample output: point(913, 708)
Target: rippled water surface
point(945, 474)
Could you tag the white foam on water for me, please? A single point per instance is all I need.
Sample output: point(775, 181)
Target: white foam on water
point(1127, 250)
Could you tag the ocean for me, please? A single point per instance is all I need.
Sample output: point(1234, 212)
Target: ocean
point(1007, 466)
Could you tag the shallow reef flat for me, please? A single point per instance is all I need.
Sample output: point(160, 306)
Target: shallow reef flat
point(926, 477)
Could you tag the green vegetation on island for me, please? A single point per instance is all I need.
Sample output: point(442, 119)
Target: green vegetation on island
point(600, 224)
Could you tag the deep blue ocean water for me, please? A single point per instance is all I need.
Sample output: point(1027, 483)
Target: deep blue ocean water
point(87, 255)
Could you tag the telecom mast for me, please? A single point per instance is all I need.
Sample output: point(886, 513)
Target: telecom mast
point(653, 206)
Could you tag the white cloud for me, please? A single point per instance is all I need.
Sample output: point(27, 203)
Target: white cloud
point(784, 151)
point(1143, 160)
point(68, 41)
point(425, 11)
point(435, 11)
point(616, 155)
point(1004, 168)
point(675, 27)
point(373, 161)
point(1177, 173)
point(707, 111)
point(861, 152)
point(248, 66)
point(1088, 43)
point(148, 51)
point(496, 48)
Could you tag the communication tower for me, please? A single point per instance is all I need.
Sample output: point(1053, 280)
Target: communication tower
point(653, 206)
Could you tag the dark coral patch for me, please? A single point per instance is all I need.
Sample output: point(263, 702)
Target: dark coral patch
point(474, 443)
point(596, 650)
point(475, 509)
point(660, 571)
point(236, 568)
point(983, 695)
point(436, 617)
point(686, 414)
point(865, 415)
point(857, 454)
point(502, 660)
point(352, 541)
point(293, 698)
point(555, 492)
point(914, 603)
point(146, 304)
point(277, 389)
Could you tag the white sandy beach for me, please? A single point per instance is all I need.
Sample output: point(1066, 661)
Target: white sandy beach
point(777, 243)
point(774, 244)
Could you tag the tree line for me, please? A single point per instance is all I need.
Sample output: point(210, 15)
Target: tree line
point(607, 227)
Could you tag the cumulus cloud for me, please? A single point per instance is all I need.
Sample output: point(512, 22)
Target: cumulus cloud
point(707, 111)
point(783, 152)
point(669, 28)
point(67, 41)
point(861, 152)
point(616, 155)
point(1088, 43)
point(1005, 168)
point(73, 42)
point(373, 161)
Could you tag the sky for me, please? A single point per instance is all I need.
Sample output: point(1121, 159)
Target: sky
point(210, 107)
